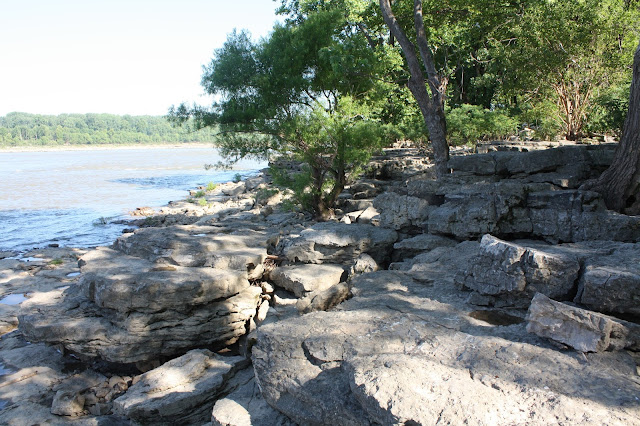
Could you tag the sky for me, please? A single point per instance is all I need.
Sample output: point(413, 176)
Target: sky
point(134, 57)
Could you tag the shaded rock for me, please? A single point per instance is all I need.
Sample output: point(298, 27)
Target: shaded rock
point(399, 163)
point(307, 278)
point(511, 274)
point(612, 283)
point(246, 407)
point(402, 211)
point(583, 330)
point(330, 242)
point(350, 205)
point(80, 382)
point(182, 390)
point(323, 300)
point(411, 247)
point(232, 189)
point(474, 210)
point(365, 216)
point(67, 403)
point(364, 264)
point(572, 164)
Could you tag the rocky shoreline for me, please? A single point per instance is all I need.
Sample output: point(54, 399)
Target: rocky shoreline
point(501, 295)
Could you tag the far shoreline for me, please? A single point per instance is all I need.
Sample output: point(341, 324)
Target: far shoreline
point(98, 147)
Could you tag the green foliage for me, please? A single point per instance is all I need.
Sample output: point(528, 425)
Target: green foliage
point(199, 194)
point(541, 117)
point(569, 52)
point(609, 111)
point(307, 91)
point(22, 129)
point(237, 177)
point(202, 202)
point(471, 123)
point(56, 261)
point(264, 194)
point(211, 186)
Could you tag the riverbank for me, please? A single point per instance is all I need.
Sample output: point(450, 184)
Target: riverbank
point(100, 147)
point(420, 303)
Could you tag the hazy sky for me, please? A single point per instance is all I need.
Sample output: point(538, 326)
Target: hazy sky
point(133, 57)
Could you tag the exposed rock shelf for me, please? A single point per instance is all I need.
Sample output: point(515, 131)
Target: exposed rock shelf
point(490, 297)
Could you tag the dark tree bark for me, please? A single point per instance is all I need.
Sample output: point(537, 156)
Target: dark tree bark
point(431, 101)
point(619, 184)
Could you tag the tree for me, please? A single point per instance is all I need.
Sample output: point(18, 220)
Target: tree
point(620, 183)
point(305, 91)
point(566, 51)
point(431, 101)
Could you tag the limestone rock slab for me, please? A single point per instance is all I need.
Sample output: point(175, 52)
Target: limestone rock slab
point(125, 283)
point(398, 365)
point(330, 242)
point(612, 283)
point(126, 309)
point(583, 330)
point(182, 390)
point(302, 279)
point(196, 246)
point(402, 211)
point(511, 273)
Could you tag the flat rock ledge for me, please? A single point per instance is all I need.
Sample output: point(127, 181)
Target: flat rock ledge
point(127, 310)
point(398, 355)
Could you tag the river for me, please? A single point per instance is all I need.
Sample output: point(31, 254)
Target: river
point(71, 197)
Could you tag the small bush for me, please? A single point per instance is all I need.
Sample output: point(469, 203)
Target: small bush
point(472, 123)
point(211, 186)
point(237, 178)
point(199, 194)
point(202, 202)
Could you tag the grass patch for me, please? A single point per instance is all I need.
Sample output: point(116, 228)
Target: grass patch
point(56, 261)
point(199, 194)
point(211, 186)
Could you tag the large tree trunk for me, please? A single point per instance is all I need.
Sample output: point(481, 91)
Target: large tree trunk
point(431, 105)
point(619, 184)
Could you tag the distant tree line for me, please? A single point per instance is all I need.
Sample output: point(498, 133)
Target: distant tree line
point(22, 129)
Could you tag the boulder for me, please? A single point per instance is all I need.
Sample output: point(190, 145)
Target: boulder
point(331, 242)
point(67, 403)
point(611, 283)
point(402, 211)
point(510, 274)
point(583, 330)
point(181, 391)
point(128, 310)
point(303, 279)
point(323, 300)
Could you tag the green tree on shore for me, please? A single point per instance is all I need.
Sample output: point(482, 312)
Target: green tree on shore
point(307, 91)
